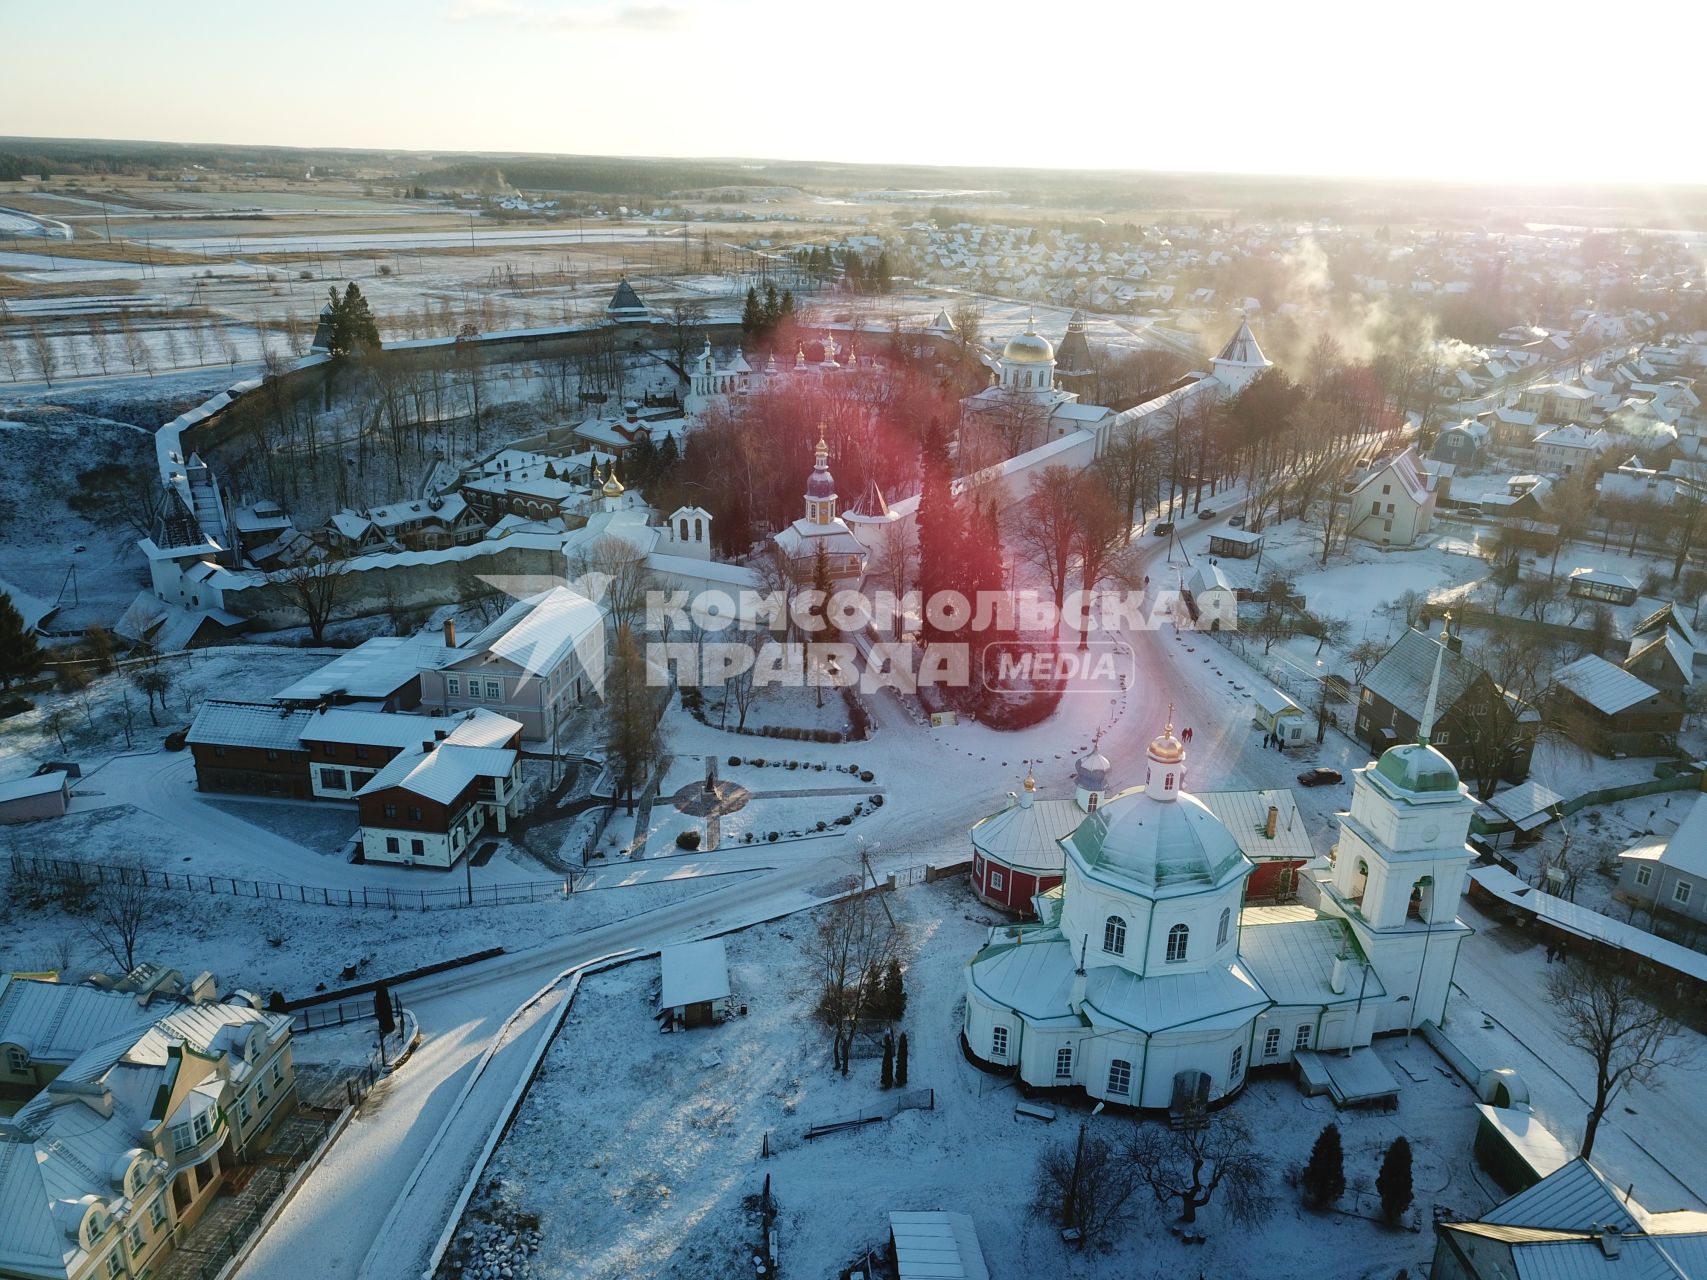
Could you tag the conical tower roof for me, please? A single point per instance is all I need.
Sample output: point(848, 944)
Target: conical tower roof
point(1242, 349)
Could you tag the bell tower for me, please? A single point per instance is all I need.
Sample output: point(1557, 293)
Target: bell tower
point(1400, 866)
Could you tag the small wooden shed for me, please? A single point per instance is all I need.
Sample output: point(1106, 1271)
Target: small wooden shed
point(46, 795)
point(695, 990)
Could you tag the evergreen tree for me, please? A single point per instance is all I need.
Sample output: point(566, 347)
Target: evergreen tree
point(20, 656)
point(1393, 1183)
point(825, 586)
point(668, 456)
point(901, 1060)
point(941, 528)
point(788, 304)
point(351, 323)
point(1324, 1175)
point(892, 995)
point(888, 1077)
point(752, 317)
point(772, 310)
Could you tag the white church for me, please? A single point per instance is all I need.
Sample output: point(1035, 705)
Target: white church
point(1147, 980)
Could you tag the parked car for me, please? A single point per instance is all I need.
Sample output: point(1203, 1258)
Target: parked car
point(1320, 776)
point(1163, 529)
point(1238, 522)
point(1208, 513)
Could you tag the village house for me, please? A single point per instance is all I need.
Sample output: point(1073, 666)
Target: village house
point(1567, 450)
point(1463, 444)
point(1663, 650)
point(1395, 692)
point(139, 1099)
point(1667, 874)
point(1612, 711)
point(46, 794)
point(1211, 603)
point(426, 524)
point(425, 807)
point(1391, 502)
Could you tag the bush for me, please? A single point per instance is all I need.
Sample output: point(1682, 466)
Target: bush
point(1324, 1176)
point(734, 760)
point(821, 825)
point(687, 839)
point(876, 802)
point(866, 775)
point(794, 764)
point(773, 837)
point(1393, 1183)
point(844, 821)
point(757, 760)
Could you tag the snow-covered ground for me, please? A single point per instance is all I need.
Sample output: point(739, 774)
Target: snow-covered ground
point(651, 1179)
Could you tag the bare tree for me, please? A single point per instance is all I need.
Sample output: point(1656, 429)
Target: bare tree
point(614, 572)
point(853, 944)
point(314, 586)
point(1602, 1012)
point(1044, 529)
point(1086, 1186)
point(118, 911)
point(1188, 1164)
point(154, 681)
point(41, 351)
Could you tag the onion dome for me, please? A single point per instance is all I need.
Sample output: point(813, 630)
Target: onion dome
point(821, 484)
point(613, 488)
point(1029, 347)
point(1167, 749)
point(1092, 772)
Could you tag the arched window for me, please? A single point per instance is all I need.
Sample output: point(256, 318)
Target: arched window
point(1064, 1064)
point(1271, 1042)
point(1091, 804)
point(1114, 936)
point(1120, 1077)
point(1422, 899)
point(1221, 929)
point(1179, 937)
point(1168, 785)
point(1360, 881)
point(684, 528)
point(698, 529)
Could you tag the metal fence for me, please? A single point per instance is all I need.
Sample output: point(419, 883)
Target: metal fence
point(58, 873)
point(321, 1016)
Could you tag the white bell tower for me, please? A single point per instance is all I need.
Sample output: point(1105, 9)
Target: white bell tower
point(1400, 868)
point(689, 531)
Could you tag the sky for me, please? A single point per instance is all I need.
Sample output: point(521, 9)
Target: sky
point(1569, 92)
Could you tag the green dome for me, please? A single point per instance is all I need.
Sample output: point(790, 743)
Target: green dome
point(1416, 767)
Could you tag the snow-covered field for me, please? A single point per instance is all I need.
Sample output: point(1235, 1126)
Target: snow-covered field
point(642, 1166)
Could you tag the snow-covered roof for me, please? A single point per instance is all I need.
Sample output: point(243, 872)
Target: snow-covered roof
point(936, 1245)
point(1685, 849)
point(443, 773)
point(1602, 577)
point(248, 724)
point(478, 727)
point(1528, 805)
point(1027, 835)
point(693, 972)
point(1403, 674)
point(1242, 348)
point(57, 1021)
point(1245, 815)
point(376, 668)
point(1294, 958)
point(1606, 687)
point(538, 633)
point(1584, 923)
point(39, 784)
point(1208, 577)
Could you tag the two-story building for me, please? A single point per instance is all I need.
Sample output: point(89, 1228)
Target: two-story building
point(538, 661)
point(1390, 502)
point(1667, 874)
point(425, 808)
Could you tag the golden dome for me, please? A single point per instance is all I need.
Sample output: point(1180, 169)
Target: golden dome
point(1028, 348)
point(613, 487)
point(1167, 749)
point(1030, 783)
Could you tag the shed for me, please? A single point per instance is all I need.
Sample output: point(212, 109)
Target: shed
point(1235, 544)
point(936, 1246)
point(1276, 713)
point(46, 795)
point(696, 982)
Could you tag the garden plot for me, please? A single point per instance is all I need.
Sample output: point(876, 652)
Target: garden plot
point(639, 1152)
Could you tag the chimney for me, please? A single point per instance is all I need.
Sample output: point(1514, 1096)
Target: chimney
point(439, 735)
point(450, 633)
point(1273, 823)
point(1077, 998)
point(1338, 980)
point(427, 748)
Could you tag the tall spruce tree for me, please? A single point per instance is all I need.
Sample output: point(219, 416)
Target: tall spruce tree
point(20, 656)
point(941, 527)
point(1393, 1183)
point(752, 316)
point(1324, 1175)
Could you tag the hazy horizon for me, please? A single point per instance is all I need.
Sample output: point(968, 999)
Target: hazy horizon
point(1477, 94)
